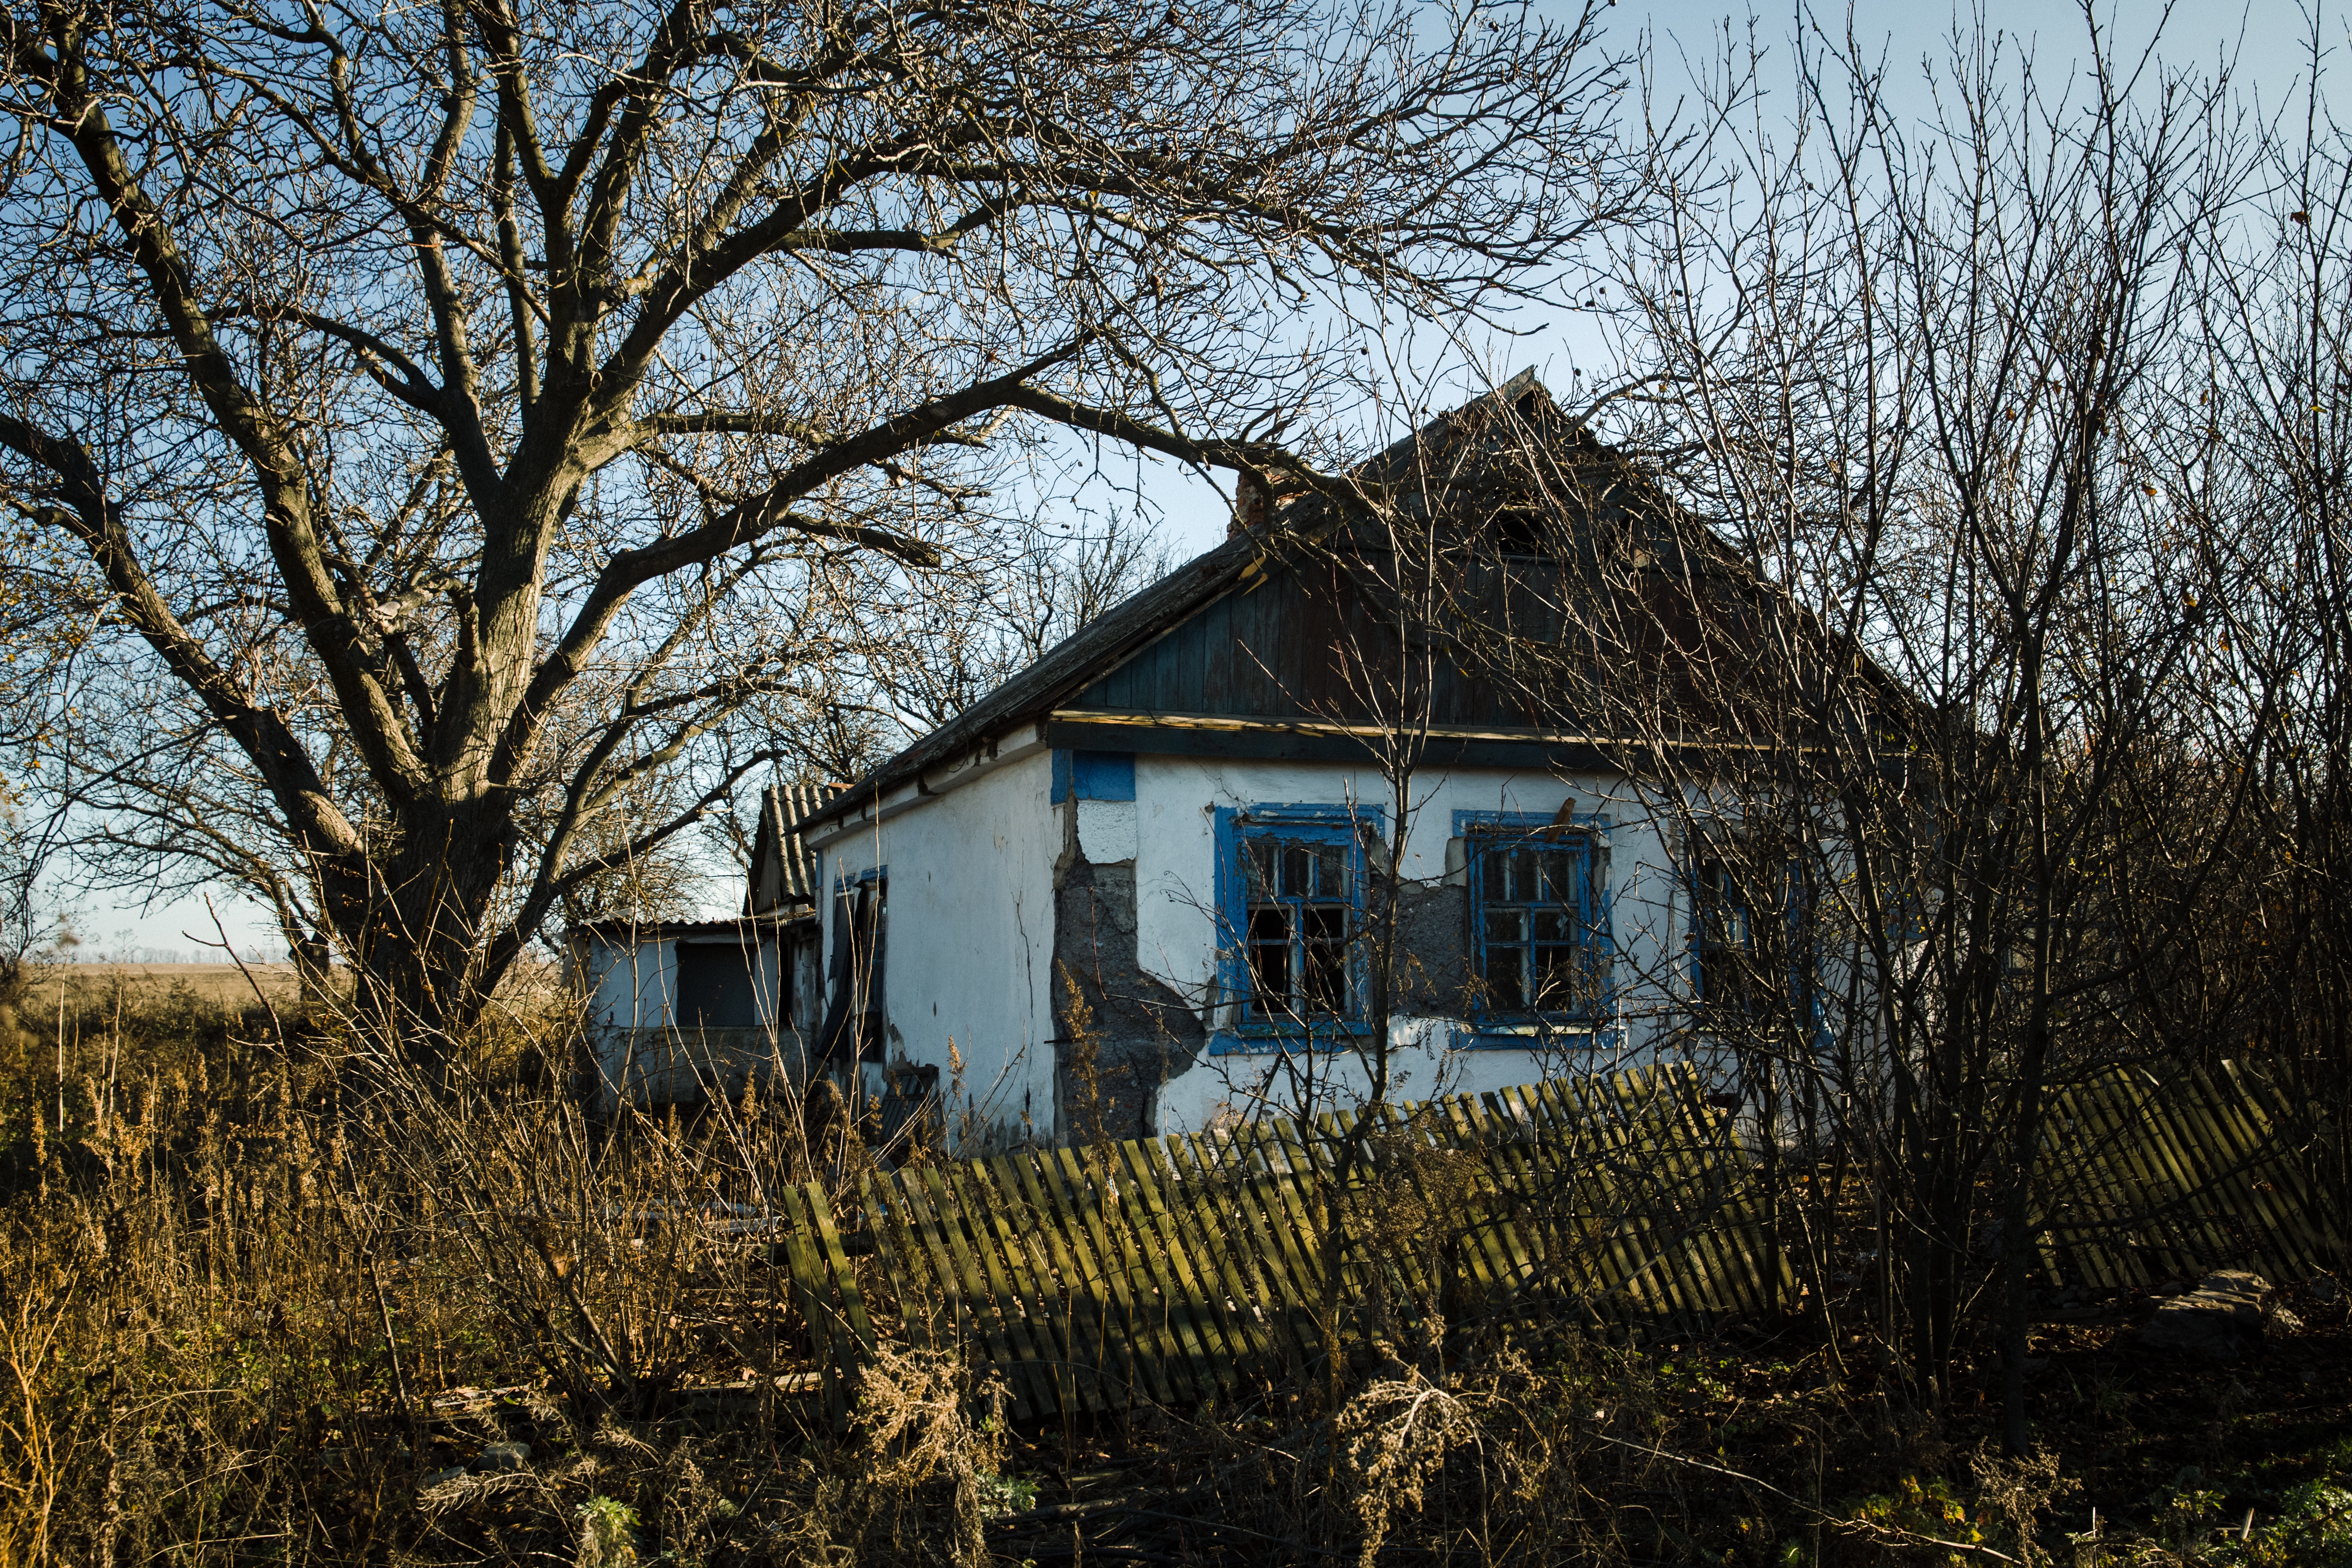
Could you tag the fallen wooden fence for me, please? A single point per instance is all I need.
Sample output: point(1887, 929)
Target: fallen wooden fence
point(1186, 1271)
point(1189, 1269)
point(2144, 1179)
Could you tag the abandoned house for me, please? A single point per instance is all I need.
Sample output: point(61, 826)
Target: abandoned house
point(1124, 893)
point(679, 1010)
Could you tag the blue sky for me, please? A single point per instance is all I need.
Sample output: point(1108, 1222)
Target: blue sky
point(2265, 41)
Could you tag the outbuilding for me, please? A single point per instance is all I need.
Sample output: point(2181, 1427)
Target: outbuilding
point(680, 1012)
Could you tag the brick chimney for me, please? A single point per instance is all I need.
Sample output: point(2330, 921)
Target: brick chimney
point(1249, 507)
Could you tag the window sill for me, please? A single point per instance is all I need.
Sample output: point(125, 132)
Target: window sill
point(1268, 1039)
point(1533, 1036)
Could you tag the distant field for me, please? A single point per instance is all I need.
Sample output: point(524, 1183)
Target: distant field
point(94, 984)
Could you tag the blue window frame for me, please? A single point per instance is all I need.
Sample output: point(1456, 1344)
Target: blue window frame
point(1290, 911)
point(1753, 943)
point(1539, 935)
point(1722, 938)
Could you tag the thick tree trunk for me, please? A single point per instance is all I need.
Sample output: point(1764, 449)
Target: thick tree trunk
point(419, 941)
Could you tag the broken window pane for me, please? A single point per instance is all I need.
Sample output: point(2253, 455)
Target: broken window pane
point(1269, 957)
point(1535, 923)
point(1299, 924)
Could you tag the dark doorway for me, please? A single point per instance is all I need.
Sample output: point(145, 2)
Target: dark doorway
point(715, 985)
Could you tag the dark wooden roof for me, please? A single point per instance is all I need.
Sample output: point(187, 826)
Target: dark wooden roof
point(625, 931)
point(1249, 635)
point(1121, 631)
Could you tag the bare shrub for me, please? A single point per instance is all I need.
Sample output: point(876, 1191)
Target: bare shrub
point(919, 1476)
point(1394, 1438)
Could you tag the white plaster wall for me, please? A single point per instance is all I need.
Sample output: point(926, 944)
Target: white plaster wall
point(1423, 1065)
point(1175, 851)
point(970, 943)
point(631, 985)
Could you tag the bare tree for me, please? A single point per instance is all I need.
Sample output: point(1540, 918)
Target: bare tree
point(1936, 671)
point(2255, 453)
point(466, 412)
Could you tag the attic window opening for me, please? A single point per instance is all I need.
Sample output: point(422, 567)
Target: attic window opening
point(1521, 531)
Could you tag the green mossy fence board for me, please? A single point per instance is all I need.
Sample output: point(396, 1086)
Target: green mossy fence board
point(2144, 1177)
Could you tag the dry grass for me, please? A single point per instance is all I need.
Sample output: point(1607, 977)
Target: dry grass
point(277, 1303)
point(265, 1304)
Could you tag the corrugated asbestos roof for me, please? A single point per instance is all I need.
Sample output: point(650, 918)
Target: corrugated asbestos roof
point(638, 931)
point(1126, 626)
point(784, 871)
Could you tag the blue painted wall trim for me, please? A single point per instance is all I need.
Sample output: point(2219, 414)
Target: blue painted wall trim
point(1093, 775)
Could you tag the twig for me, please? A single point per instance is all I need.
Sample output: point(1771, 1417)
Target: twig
point(391, 1353)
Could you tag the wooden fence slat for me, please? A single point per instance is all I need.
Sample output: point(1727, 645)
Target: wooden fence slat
point(1499, 1152)
point(907, 1199)
point(1013, 1229)
point(1065, 1181)
point(1219, 1250)
point(804, 1256)
point(1588, 1230)
point(897, 1251)
point(1293, 1254)
point(2084, 1243)
point(1126, 1218)
point(2220, 1187)
point(1229, 1249)
point(991, 1324)
point(1489, 1267)
point(2318, 1246)
point(2232, 1170)
point(1720, 1183)
point(2314, 1245)
point(2199, 1238)
point(1085, 1293)
point(2225, 1127)
point(844, 1277)
point(1029, 1367)
point(1577, 1134)
point(1421, 1277)
point(1209, 1359)
point(2124, 1185)
point(1650, 1277)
